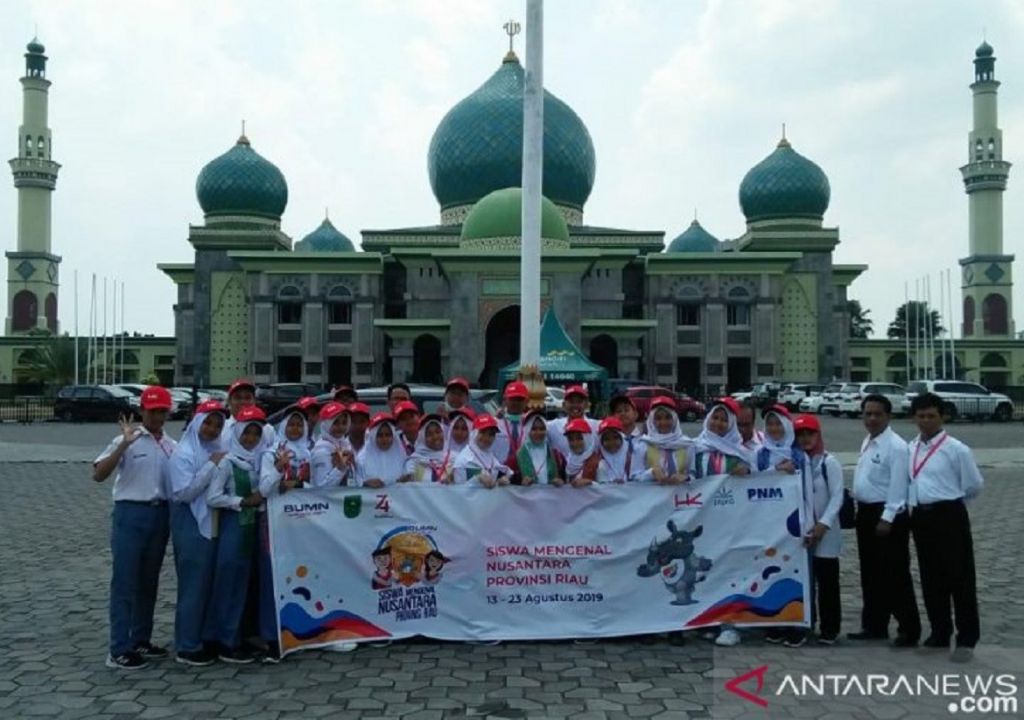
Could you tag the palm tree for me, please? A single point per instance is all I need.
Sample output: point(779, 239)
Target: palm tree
point(860, 324)
point(51, 361)
point(918, 328)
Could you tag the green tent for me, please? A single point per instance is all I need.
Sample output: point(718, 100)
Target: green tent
point(561, 361)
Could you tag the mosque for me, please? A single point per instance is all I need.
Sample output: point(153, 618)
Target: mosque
point(422, 303)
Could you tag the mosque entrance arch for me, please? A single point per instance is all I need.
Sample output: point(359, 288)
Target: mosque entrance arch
point(502, 344)
point(426, 360)
point(604, 351)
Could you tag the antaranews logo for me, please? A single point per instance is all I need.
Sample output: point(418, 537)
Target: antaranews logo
point(980, 694)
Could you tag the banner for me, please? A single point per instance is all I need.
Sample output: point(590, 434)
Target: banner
point(541, 562)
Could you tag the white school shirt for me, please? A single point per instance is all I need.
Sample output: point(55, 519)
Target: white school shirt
point(222, 493)
point(825, 503)
point(142, 470)
point(882, 473)
point(949, 474)
point(556, 434)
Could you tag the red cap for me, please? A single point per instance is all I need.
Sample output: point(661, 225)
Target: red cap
point(610, 423)
point(663, 401)
point(578, 425)
point(778, 410)
point(517, 389)
point(458, 382)
point(730, 403)
point(406, 406)
point(210, 406)
point(250, 414)
point(483, 421)
point(358, 408)
point(381, 417)
point(577, 390)
point(239, 384)
point(806, 422)
point(305, 403)
point(156, 398)
point(331, 410)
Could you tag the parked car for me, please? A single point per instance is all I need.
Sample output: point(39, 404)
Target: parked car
point(792, 394)
point(849, 403)
point(828, 396)
point(278, 396)
point(643, 395)
point(95, 402)
point(136, 395)
point(428, 397)
point(764, 394)
point(964, 399)
point(832, 395)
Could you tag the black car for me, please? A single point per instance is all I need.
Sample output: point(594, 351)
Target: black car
point(94, 402)
point(278, 396)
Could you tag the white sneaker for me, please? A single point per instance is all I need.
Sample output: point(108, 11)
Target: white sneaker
point(727, 638)
point(342, 647)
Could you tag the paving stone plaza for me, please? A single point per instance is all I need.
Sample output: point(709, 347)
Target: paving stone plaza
point(55, 555)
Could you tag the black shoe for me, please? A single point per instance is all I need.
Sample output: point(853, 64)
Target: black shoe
point(934, 642)
point(127, 661)
point(236, 656)
point(795, 640)
point(151, 651)
point(865, 635)
point(196, 658)
point(775, 637)
point(827, 639)
point(904, 641)
point(272, 655)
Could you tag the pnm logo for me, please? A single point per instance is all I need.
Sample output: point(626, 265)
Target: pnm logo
point(759, 494)
point(687, 501)
point(383, 506)
point(306, 509)
point(723, 496)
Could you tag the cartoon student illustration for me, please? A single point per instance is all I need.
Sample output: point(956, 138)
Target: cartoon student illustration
point(382, 576)
point(434, 563)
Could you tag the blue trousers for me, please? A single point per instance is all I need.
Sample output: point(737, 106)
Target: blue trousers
point(193, 561)
point(235, 544)
point(268, 610)
point(138, 541)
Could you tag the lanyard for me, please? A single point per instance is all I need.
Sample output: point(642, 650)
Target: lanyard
point(480, 460)
point(918, 467)
point(437, 471)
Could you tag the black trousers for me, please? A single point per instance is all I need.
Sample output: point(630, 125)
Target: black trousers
point(885, 582)
point(825, 608)
point(945, 554)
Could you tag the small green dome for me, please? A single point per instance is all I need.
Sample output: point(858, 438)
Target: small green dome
point(242, 182)
point(784, 185)
point(984, 50)
point(499, 215)
point(694, 239)
point(325, 238)
point(478, 146)
point(35, 47)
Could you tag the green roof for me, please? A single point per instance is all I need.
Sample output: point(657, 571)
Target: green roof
point(784, 185)
point(694, 239)
point(242, 182)
point(500, 215)
point(325, 238)
point(560, 359)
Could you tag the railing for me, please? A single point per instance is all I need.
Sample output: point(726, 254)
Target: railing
point(26, 410)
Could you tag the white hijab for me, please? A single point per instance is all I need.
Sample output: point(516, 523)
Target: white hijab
point(245, 459)
point(729, 444)
point(573, 462)
point(616, 462)
point(190, 456)
point(474, 456)
point(387, 465)
point(424, 456)
point(538, 452)
point(672, 440)
point(779, 450)
point(299, 448)
point(449, 440)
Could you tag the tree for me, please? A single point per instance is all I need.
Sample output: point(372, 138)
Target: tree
point(51, 361)
point(920, 316)
point(860, 324)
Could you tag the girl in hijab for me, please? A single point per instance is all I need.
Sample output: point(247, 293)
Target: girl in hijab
point(284, 467)
point(477, 461)
point(614, 462)
point(460, 424)
point(720, 450)
point(666, 450)
point(823, 497)
point(192, 468)
point(430, 461)
point(539, 463)
point(331, 458)
point(779, 450)
point(578, 468)
point(233, 498)
point(381, 462)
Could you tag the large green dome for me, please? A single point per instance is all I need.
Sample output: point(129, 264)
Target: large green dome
point(500, 215)
point(478, 146)
point(694, 239)
point(325, 238)
point(242, 182)
point(784, 185)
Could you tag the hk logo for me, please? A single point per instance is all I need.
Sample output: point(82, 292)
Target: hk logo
point(735, 686)
point(760, 494)
point(689, 501)
point(723, 496)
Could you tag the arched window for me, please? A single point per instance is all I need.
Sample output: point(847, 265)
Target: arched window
point(28, 145)
point(41, 147)
point(993, 315)
point(289, 305)
point(991, 149)
point(979, 149)
point(339, 305)
point(25, 311)
point(50, 308)
point(968, 328)
point(993, 360)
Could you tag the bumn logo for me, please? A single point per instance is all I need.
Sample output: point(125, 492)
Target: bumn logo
point(306, 508)
point(723, 496)
point(759, 494)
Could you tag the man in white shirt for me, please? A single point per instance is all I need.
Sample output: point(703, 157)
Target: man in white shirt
point(883, 530)
point(753, 439)
point(140, 529)
point(943, 475)
point(576, 403)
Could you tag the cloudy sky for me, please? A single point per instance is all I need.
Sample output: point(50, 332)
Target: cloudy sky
point(681, 98)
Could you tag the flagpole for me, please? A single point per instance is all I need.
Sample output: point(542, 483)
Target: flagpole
point(76, 326)
point(942, 337)
point(906, 325)
point(90, 371)
point(122, 331)
point(532, 180)
point(952, 333)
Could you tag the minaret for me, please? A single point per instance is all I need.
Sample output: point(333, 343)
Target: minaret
point(987, 272)
point(32, 270)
